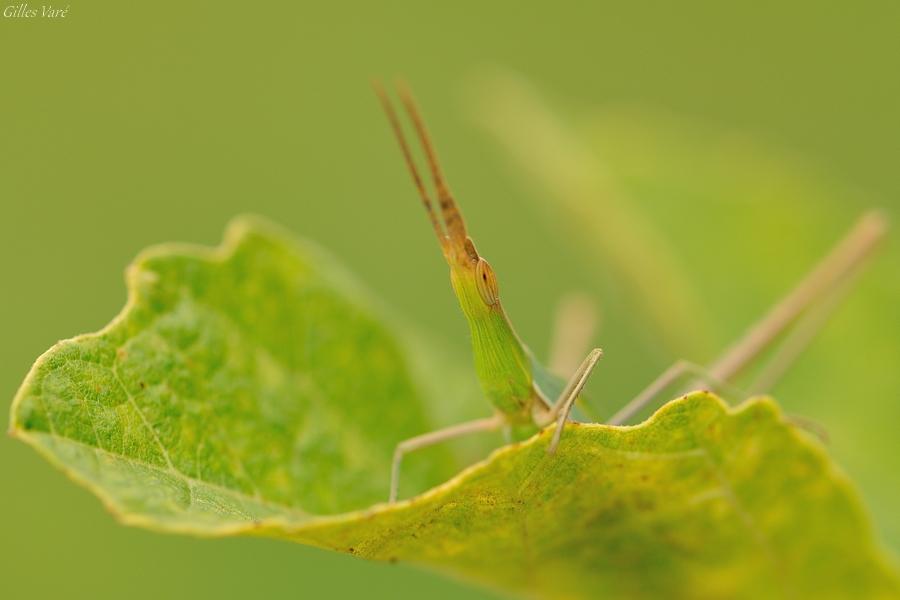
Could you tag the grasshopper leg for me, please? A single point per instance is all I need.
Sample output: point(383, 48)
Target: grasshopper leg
point(436, 437)
point(563, 405)
point(667, 378)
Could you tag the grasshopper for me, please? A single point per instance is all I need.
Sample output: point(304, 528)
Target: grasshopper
point(514, 382)
point(525, 395)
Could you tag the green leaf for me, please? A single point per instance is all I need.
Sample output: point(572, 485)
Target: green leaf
point(254, 390)
point(236, 383)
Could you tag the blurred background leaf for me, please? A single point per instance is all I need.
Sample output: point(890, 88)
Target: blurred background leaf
point(130, 124)
point(733, 221)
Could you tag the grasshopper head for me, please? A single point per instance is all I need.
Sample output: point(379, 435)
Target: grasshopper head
point(472, 277)
point(500, 358)
point(473, 280)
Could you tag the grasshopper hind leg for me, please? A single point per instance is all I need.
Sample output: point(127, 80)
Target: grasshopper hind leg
point(704, 379)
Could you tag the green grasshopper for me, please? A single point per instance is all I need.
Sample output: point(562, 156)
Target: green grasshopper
point(520, 389)
point(526, 396)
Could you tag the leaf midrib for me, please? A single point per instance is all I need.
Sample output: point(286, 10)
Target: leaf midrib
point(298, 513)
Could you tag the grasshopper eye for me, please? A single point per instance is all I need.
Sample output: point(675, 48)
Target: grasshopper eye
point(486, 283)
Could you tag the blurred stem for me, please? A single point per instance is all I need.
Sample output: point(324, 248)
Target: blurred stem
point(573, 329)
point(586, 198)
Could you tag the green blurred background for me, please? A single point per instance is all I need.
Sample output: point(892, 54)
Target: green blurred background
point(127, 124)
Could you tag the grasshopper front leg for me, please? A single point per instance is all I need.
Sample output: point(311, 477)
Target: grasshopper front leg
point(563, 405)
point(436, 437)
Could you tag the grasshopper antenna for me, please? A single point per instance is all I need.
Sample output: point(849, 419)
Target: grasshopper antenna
point(407, 156)
point(456, 229)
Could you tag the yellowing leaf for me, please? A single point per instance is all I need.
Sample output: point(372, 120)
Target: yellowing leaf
point(698, 502)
